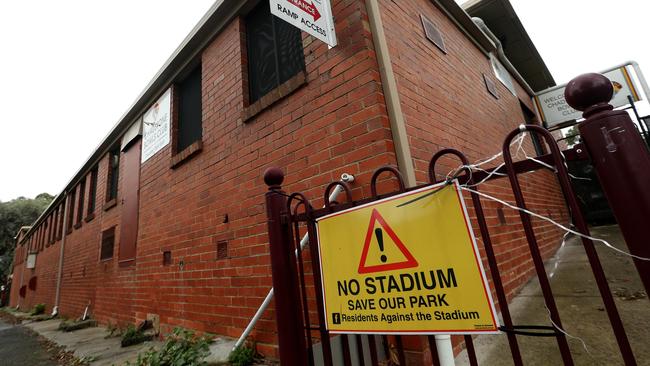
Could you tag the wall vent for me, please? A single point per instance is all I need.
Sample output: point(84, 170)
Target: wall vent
point(501, 215)
point(491, 86)
point(433, 34)
point(222, 249)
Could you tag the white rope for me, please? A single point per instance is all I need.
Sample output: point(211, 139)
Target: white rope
point(584, 345)
point(607, 244)
point(477, 166)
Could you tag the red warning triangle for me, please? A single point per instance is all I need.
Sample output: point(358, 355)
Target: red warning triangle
point(410, 261)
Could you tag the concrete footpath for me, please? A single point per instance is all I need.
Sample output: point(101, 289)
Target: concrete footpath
point(18, 347)
point(581, 310)
point(91, 346)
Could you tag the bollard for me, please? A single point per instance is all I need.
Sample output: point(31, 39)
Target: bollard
point(291, 328)
point(621, 160)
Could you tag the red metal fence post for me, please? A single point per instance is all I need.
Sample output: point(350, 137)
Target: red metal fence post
point(621, 159)
point(291, 332)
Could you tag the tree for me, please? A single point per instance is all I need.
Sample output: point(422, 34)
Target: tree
point(572, 136)
point(14, 215)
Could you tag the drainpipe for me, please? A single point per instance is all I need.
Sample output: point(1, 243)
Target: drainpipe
point(402, 150)
point(346, 178)
point(502, 56)
point(55, 310)
point(391, 95)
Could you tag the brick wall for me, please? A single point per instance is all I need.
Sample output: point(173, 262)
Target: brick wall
point(446, 105)
point(336, 122)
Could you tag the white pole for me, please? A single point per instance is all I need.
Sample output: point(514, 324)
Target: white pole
point(345, 177)
point(445, 350)
point(59, 276)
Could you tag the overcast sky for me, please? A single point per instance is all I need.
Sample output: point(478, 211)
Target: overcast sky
point(70, 69)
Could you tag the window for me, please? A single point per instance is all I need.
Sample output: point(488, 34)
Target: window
point(80, 203)
point(113, 174)
point(59, 233)
point(92, 192)
point(55, 225)
point(70, 218)
point(530, 118)
point(50, 238)
point(502, 74)
point(43, 231)
point(188, 124)
point(108, 242)
point(275, 53)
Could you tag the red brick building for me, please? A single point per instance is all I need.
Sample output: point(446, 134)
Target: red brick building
point(182, 235)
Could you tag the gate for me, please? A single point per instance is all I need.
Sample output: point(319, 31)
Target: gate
point(296, 279)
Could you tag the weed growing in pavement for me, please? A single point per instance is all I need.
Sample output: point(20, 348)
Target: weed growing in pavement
point(242, 356)
point(181, 348)
point(38, 309)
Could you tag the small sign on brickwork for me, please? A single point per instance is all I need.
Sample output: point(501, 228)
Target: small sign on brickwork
point(155, 126)
point(407, 264)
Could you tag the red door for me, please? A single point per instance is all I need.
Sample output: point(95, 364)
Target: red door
point(130, 203)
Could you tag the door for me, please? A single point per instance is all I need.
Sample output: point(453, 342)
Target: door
point(130, 202)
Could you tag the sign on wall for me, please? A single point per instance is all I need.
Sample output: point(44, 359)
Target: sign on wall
point(554, 110)
point(407, 264)
point(311, 16)
point(155, 126)
point(31, 260)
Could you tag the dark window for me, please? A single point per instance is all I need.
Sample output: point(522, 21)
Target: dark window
point(55, 227)
point(50, 238)
point(167, 258)
point(59, 233)
point(92, 191)
point(275, 51)
point(80, 206)
point(70, 218)
point(32, 283)
point(113, 174)
point(529, 118)
point(189, 127)
point(108, 242)
point(43, 234)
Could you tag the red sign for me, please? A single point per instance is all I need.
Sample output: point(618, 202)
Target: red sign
point(377, 233)
point(308, 8)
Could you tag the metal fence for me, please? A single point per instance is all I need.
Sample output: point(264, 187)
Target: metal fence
point(302, 334)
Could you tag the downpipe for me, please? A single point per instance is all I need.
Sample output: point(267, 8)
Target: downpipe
point(55, 309)
point(346, 178)
point(502, 56)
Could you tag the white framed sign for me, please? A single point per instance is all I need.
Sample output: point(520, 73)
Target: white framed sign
point(156, 124)
point(31, 260)
point(311, 16)
point(554, 110)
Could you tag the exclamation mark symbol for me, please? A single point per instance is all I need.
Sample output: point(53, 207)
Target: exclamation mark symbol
point(380, 240)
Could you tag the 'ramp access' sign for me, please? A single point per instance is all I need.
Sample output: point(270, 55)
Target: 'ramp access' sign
point(311, 16)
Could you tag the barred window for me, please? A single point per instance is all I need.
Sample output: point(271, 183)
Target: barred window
point(275, 52)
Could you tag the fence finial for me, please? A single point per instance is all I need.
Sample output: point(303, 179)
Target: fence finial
point(273, 177)
point(589, 93)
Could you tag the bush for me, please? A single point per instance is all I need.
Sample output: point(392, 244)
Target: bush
point(38, 309)
point(182, 348)
point(134, 336)
point(71, 326)
point(242, 356)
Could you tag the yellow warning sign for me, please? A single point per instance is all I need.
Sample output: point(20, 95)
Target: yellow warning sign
point(406, 264)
